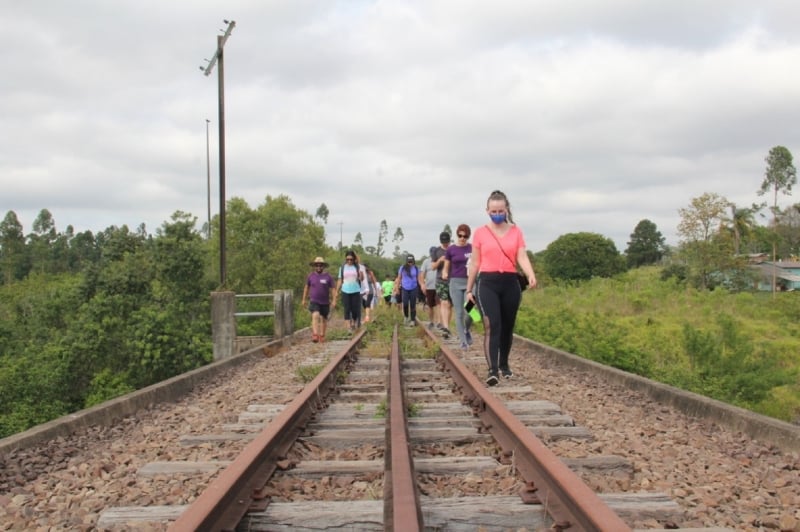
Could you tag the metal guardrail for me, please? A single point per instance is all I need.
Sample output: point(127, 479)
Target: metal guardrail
point(254, 313)
point(224, 317)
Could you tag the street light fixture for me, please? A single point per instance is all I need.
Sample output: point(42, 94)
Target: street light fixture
point(217, 58)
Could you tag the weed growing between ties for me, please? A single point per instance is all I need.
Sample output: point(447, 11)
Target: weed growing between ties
point(308, 373)
point(413, 410)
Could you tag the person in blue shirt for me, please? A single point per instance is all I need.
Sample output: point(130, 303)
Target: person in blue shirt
point(407, 283)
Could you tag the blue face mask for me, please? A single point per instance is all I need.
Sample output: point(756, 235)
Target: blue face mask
point(498, 218)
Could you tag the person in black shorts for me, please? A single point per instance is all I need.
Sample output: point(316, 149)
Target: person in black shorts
point(319, 291)
point(442, 286)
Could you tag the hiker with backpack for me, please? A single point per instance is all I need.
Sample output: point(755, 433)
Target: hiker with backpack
point(349, 285)
point(407, 285)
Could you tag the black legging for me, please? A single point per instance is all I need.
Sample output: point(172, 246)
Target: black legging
point(498, 298)
point(410, 303)
point(352, 307)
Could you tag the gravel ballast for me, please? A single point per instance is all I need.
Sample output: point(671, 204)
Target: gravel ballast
point(720, 477)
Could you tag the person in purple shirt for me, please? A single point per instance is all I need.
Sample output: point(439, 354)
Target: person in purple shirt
point(319, 290)
point(455, 272)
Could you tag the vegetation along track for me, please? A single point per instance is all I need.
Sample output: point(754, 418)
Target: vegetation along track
point(467, 480)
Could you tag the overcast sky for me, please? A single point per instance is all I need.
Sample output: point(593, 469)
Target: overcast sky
point(591, 116)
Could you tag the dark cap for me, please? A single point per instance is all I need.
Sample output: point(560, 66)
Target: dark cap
point(410, 258)
point(444, 237)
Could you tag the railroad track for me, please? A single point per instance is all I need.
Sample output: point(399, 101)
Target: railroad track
point(445, 453)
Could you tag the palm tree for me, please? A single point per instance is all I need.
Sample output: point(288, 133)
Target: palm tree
point(742, 224)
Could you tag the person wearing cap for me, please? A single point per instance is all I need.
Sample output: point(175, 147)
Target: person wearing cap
point(407, 285)
point(442, 286)
point(320, 292)
point(349, 285)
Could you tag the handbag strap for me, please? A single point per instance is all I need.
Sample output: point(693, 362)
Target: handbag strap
point(513, 263)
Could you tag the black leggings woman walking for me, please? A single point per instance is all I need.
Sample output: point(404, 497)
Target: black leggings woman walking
point(492, 283)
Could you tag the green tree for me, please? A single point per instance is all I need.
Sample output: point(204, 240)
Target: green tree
point(323, 213)
point(396, 239)
point(705, 254)
point(268, 248)
point(779, 177)
point(35, 380)
point(646, 245)
point(83, 251)
point(13, 251)
point(41, 241)
point(704, 216)
point(358, 243)
point(581, 256)
point(168, 332)
point(759, 240)
point(179, 257)
point(788, 230)
point(742, 223)
point(383, 234)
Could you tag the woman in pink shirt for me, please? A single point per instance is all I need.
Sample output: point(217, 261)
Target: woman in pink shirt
point(497, 249)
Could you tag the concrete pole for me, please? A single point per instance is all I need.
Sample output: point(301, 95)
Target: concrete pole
point(223, 324)
point(277, 319)
point(288, 313)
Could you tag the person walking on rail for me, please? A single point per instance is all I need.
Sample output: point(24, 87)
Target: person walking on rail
point(406, 285)
point(456, 259)
point(368, 293)
point(442, 286)
point(320, 292)
point(387, 286)
point(431, 299)
point(349, 285)
point(493, 284)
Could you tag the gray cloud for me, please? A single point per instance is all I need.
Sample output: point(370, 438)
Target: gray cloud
point(591, 116)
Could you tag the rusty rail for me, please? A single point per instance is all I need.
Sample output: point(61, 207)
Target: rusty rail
point(402, 510)
point(566, 498)
point(238, 487)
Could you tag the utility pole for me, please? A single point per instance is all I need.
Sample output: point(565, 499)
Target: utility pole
point(217, 58)
point(208, 182)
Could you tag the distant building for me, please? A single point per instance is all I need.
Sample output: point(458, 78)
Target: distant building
point(786, 274)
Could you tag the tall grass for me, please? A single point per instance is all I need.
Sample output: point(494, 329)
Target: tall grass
point(741, 348)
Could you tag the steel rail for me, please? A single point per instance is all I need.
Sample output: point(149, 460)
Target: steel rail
point(237, 489)
point(565, 497)
point(402, 510)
